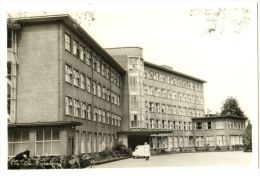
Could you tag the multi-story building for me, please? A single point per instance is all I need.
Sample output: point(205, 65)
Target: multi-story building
point(68, 95)
point(64, 90)
point(161, 102)
point(215, 130)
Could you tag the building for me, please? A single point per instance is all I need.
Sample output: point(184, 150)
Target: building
point(64, 90)
point(161, 101)
point(215, 130)
point(68, 95)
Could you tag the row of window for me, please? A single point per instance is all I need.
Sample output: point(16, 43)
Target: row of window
point(219, 125)
point(47, 141)
point(89, 142)
point(91, 60)
point(171, 109)
point(168, 125)
point(78, 79)
point(180, 82)
point(76, 108)
point(164, 93)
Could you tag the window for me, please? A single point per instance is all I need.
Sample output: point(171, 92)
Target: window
point(199, 141)
point(221, 140)
point(151, 106)
point(236, 139)
point(88, 58)
point(133, 84)
point(94, 88)
point(163, 108)
point(99, 90)
point(104, 93)
point(47, 141)
point(220, 125)
point(88, 84)
point(76, 77)
point(68, 106)
point(89, 112)
point(81, 53)
point(18, 140)
point(108, 73)
point(151, 124)
point(83, 142)
point(108, 95)
point(208, 125)
point(68, 73)
point(95, 114)
point(76, 108)
point(82, 81)
point(157, 107)
point(67, 42)
point(99, 115)
point(75, 48)
point(210, 140)
point(198, 125)
point(103, 70)
point(103, 116)
point(83, 110)
point(98, 65)
point(134, 122)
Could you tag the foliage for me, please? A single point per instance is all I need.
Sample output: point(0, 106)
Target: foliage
point(217, 148)
point(247, 138)
point(231, 107)
point(122, 149)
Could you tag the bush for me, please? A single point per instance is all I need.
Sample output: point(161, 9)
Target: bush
point(217, 148)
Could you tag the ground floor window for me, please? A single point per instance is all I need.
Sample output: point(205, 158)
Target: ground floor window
point(221, 140)
point(236, 140)
point(47, 141)
point(199, 141)
point(83, 142)
point(18, 141)
point(210, 140)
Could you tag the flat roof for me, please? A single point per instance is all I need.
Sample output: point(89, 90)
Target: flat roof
point(69, 21)
point(167, 69)
point(219, 117)
point(41, 124)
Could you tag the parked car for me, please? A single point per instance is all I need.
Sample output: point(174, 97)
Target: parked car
point(142, 151)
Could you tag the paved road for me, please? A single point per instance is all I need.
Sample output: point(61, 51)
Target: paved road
point(186, 159)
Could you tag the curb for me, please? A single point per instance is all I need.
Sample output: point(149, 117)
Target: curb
point(111, 160)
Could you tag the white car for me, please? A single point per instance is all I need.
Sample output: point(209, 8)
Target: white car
point(142, 151)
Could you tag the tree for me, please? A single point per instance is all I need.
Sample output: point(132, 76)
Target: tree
point(247, 138)
point(231, 107)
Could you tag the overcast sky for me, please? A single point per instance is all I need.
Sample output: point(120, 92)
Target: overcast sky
point(169, 35)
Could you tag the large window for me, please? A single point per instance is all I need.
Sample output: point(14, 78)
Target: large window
point(81, 53)
point(76, 108)
point(199, 141)
point(82, 81)
point(198, 125)
point(76, 77)
point(47, 141)
point(88, 84)
point(68, 106)
point(134, 102)
point(83, 110)
point(236, 139)
point(18, 140)
point(221, 140)
point(210, 140)
point(68, 73)
point(67, 42)
point(208, 125)
point(220, 125)
point(134, 122)
point(75, 47)
point(89, 111)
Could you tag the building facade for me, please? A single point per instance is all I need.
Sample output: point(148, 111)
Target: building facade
point(64, 90)
point(68, 95)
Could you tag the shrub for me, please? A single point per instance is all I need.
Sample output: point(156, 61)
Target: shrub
point(217, 148)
